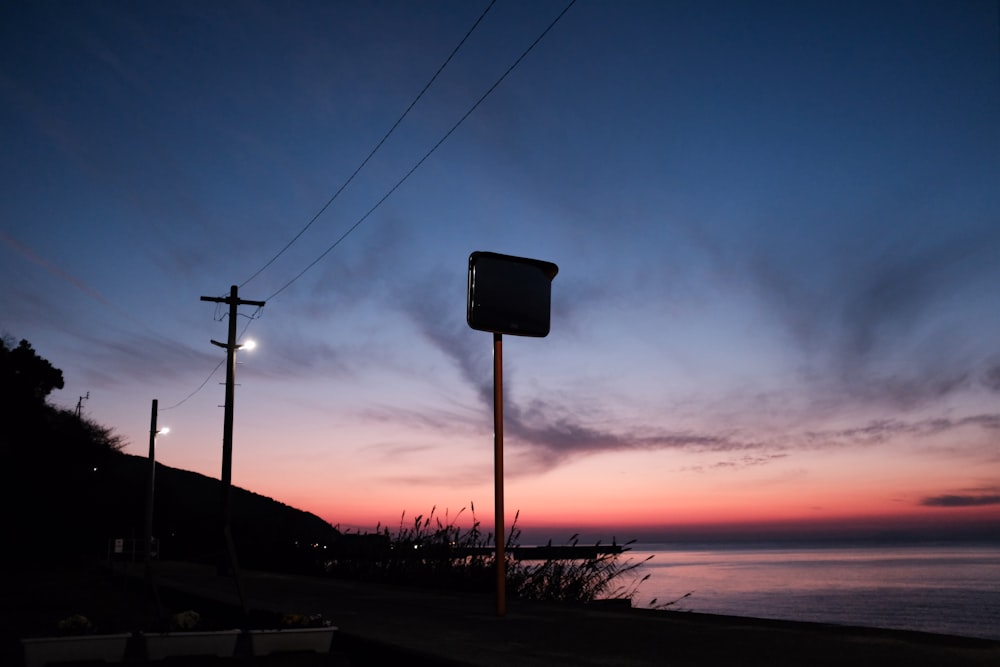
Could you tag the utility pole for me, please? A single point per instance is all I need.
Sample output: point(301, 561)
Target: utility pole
point(79, 404)
point(233, 301)
point(147, 551)
point(148, 541)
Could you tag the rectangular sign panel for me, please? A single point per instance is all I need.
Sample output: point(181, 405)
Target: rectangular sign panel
point(509, 295)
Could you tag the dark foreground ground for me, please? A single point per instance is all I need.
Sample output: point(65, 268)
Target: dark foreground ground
point(386, 625)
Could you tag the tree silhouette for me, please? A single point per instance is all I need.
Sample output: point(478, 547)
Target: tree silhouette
point(25, 377)
point(52, 491)
point(66, 488)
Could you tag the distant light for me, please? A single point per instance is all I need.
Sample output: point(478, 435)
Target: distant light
point(249, 345)
point(163, 431)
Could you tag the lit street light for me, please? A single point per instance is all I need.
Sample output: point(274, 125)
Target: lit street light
point(148, 547)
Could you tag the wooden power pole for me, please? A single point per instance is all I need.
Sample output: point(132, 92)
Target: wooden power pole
point(233, 301)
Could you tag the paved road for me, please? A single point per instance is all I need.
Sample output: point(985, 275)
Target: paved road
point(378, 623)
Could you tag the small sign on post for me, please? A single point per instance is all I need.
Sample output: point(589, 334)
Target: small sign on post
point(509, 295)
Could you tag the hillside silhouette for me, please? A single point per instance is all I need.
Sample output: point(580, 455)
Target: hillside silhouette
point(268, 534)
point(69, 491)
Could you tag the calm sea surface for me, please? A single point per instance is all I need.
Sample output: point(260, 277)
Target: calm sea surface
point(944, 589)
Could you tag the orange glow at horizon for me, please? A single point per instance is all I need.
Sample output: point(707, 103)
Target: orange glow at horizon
point(364, 518)
point(620, 492)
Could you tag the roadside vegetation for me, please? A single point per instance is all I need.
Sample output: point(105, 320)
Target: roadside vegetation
point(438, 551)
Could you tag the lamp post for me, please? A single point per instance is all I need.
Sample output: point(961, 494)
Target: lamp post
point(150, 489)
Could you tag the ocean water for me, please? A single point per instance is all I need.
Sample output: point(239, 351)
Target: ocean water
point(947, 589)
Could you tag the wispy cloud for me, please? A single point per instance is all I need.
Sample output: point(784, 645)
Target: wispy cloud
point(991, 378)
point(290, 356)
point(961, 500)
point(549, 433)
point(883, 430)
point(555, 435)
point(749, 461)
point(880, 328)
point(450, 478)
point(896, 292)
point(114, 362)
point(440, 420)
point(33, 257)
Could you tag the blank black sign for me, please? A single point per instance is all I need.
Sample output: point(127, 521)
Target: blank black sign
point(510, 295)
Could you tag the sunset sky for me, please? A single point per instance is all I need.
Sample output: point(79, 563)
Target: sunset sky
point(777, 226)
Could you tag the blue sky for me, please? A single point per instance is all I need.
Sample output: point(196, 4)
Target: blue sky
point(776, 226)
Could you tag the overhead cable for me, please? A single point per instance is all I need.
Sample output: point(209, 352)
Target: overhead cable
point(374, 150)
point(426, 155)
point(184, 400)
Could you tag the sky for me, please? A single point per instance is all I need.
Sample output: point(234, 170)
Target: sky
point(777, 227)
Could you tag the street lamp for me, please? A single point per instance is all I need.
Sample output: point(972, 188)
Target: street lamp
point(234, 302)
point(153, 432)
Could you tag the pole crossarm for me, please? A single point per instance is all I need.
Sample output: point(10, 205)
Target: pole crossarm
point(233, 299)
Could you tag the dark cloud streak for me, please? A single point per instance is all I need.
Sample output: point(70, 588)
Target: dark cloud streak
point(552, 434)
point(960, 501)
point(880, 431)
point(877, 327)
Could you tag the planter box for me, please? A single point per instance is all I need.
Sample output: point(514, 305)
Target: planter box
point(221, 644)
point(317, 640)
point(48, 650)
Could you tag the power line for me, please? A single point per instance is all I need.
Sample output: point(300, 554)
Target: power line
point(200, 387)
point(374, 150)
point(427, 154)
point(184, 400)
point(357, 224)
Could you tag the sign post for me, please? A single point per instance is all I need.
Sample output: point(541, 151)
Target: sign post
point(498, 513)
point(506, 295)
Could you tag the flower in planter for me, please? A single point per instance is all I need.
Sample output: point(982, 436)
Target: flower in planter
point(77, 624)
point(186, 620)
point(304, 621)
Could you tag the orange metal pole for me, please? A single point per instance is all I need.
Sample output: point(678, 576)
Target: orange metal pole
point(498, 474)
